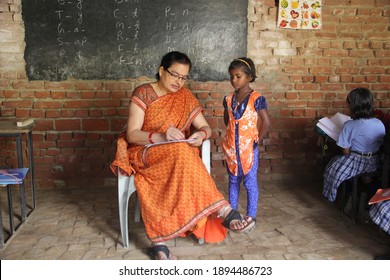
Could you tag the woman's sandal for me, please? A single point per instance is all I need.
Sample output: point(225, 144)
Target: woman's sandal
point(235, 215)
point(152, 251)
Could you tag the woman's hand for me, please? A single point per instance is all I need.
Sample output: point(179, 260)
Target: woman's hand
point(173, 133)
point(197, 138)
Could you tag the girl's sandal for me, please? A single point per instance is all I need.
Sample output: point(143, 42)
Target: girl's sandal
point(250, 219)
point(235, 215)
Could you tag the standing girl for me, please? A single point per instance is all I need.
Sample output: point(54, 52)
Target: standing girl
point(360, 140)
point(247, 122)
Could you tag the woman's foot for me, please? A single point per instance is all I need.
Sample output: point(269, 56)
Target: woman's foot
point(161, 252)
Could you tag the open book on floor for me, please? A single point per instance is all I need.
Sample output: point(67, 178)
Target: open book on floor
point(12, 176)
point(380, 195)
point(332, 126)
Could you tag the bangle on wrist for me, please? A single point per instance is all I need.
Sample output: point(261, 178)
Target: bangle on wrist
point(150, 138)
point(204, 138)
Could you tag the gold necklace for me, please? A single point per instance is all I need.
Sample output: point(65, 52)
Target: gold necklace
point(160, 92)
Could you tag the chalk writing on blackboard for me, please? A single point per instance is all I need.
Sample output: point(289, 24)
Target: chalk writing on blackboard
point(117, 39)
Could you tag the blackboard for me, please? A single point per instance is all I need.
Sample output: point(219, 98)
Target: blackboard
point(115, 39)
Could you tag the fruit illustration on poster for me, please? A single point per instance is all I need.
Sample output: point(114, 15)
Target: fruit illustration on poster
point(284, 4)
point(294, 4)
point(283, 23)
point(294, 14)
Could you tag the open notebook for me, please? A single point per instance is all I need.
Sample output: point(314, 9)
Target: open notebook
point(12, 176)
point(332, 126)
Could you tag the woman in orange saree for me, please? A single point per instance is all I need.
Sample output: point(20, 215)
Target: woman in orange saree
point(176, 193)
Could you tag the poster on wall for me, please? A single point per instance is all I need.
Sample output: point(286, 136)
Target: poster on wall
point(300, 14)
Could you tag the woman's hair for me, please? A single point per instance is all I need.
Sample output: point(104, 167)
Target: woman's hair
point(171, 58)
point(246, 64)
point(361, 103)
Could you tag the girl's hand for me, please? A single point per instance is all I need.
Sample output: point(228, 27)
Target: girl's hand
point(174, 134)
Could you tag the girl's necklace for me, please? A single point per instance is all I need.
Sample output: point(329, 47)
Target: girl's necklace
point(240, 100)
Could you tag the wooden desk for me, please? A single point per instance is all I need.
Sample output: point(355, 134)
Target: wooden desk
point(9, 129)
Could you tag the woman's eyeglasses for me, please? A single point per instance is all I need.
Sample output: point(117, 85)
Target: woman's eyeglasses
point(177, 76)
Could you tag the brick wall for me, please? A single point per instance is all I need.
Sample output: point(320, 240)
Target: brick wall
point(303, 74)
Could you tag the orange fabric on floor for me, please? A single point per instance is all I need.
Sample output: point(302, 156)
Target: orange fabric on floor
point(174, 188)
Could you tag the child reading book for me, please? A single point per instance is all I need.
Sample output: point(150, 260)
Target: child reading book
point(360, 140)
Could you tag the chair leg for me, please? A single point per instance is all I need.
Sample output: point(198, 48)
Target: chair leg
point(137, 212)
point(125, 189)
point(355, 200)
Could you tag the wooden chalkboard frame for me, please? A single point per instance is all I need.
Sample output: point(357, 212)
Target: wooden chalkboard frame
point(101, 39)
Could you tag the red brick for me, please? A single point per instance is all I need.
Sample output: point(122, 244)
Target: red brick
point(347, 70)
point(67, 113)
point(64, 125)
point(73, 95)
point(27, 85)
point(95, 113)
point(58, 85)
point(307, 86)
point(103, 95)
point(58, 95)
point(291, 95)
point(89, 85)
point(106, 103)
point(194, 86)
point(345, 78)
point(78, 104)
point(40, 114)
point(117, 86)
point(51, 136)
point(10, 93)
point(219, 112)
point(118, 124)
point(95, 125)
point(123, 112)
point(44, 125)
point(53, 114)
point(332, 87)
point(358, 79)
point(47, 105)
point(202, 95)
point(81, 113)
point(110, 112)
point(117, 94)
point(22, 113)
point(88, 95)
point(42, 94)
point(321, 70)
point(213, 104)
point(17, 104)
point(296, 69)
point(373, 70)
point(308, 79)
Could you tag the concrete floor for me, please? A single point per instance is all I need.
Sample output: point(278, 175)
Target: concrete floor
point(294, 223)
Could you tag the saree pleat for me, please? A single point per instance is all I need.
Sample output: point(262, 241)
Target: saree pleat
point(176, 193)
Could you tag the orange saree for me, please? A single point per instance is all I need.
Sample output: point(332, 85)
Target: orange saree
point(176, 193)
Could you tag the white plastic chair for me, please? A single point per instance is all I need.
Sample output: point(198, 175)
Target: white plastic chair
point(126, 188)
